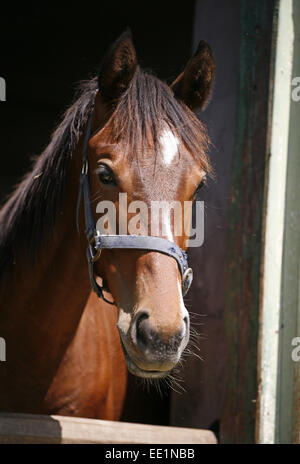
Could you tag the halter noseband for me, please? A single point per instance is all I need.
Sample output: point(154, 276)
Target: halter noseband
point(97, 242)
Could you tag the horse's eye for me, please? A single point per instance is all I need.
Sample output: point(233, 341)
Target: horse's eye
point(106, 175)
point(202, 183)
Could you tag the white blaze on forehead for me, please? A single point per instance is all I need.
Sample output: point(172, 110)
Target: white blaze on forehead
point(169, 145)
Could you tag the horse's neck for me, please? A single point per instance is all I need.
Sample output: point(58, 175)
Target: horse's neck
point(41, 304)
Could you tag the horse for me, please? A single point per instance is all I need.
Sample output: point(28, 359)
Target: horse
point(67, 350)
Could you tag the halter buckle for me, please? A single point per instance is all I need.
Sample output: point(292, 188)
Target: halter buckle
point(85, 167)
point(94, 252)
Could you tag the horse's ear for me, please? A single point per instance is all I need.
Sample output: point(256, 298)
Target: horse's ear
point(117, 68)
point(194, 84)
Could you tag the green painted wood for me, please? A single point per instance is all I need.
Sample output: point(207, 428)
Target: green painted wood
point(288, 395)
point(271, 308)
point(278, 418)
point(246, 221)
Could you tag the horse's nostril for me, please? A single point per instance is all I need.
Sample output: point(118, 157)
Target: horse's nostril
point(150, 341)
point(141, 316)
point(142, 330)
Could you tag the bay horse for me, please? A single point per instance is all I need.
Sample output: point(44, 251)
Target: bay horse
point(67, 350)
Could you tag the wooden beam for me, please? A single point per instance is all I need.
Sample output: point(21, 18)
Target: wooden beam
point(29, 428)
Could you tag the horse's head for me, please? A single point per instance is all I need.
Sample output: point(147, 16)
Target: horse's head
point(148, 144)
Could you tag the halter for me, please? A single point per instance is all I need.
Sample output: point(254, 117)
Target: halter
point(97, 242)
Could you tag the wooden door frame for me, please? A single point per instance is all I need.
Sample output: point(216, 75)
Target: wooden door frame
point(246, 225)
point(278, 419)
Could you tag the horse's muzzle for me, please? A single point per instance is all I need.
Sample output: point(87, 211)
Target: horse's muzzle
point(147, 353)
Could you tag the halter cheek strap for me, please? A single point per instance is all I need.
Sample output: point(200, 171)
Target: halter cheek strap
point(97, 242)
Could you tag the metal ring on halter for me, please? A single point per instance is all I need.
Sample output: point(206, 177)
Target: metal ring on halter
point(95, 252)
point(85, 167)
point(187, 279)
